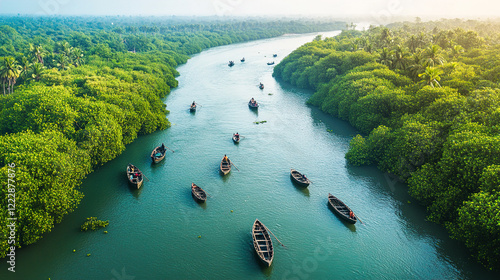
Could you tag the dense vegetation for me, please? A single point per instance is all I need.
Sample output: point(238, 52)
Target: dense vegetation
point(426, 96)
point(76, 90)
point(93, 223)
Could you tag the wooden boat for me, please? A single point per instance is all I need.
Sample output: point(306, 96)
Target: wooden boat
point(270, 63)
point(236, 139)
point(225, 167)
point(341, 209)
point(158, 154)
point(299, 178)
point(243, 60)
point(198, 193)
point(134, 176)
point(261, 86)
point(253, 105)
point(262, 242)
point(231, 63)
point(192, 108)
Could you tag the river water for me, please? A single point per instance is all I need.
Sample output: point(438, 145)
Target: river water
point(160, 232)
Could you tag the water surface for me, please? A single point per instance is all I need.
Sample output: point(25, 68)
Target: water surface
point(160, 232)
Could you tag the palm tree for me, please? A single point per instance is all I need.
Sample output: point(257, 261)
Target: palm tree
point(416, 65)
point(62, 61)
point(399, 59)
point(37, 53)
point(9, 73)
point(77, 57)
point(433, 56)
point(385, 57)
point(413, 43)
point(37, 71)
point(25, 67)
point(457, 50)
point(431, 76)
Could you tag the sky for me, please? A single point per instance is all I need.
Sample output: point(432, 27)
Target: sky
point(382, 10)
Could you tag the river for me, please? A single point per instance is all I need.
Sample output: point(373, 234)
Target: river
point(160, 232)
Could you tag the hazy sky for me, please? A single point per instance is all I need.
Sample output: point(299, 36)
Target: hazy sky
point(376, 9)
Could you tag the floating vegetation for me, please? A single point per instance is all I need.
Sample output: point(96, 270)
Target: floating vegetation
point(329, 130)
point(93, 223)
point(269, 94)
point(260, 122)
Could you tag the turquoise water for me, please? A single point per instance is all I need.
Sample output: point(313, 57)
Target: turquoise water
point(160, 232)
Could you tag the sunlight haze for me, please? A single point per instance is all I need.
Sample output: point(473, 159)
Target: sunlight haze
point(384, 9)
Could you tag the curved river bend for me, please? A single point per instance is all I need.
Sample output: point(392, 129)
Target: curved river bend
point(160, 232)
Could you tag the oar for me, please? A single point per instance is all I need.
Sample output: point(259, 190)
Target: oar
point(234, 166)
point(170, 149)
point(359, 219)
point(145, 177)
point(275, 237)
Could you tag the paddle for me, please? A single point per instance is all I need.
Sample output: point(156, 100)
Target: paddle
point(359, 219)
point(145, 177)
point(275, 236)
point(234, 166)
point(170, 149)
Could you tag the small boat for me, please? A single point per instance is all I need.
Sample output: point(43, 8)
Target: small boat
point(231, 63)
point(134, 176)
point(275, 55)
point(198, 193)
point(225, 166)
point(299, 178)
point(243, 60)
point(236, 138)
point(158, 154)
point(192, 108)
point(262, 242)
point(341, 209)
point(253, 105)
point(261, 86)
point(270, 63)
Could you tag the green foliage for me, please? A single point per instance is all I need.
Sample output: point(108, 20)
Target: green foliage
point(93, 223)
point(75, 92)
point(429, 102)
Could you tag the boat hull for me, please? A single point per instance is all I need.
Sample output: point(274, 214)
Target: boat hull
point(262, 243)
point(340, 209)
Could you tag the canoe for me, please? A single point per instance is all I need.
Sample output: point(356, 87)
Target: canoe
point(262, 242)
point(275, 55)
point(299, 179)
point(243, 60)
point(134, 176)
point(261, 86)
point(192, 108)
point(231, 63)
point(341, 209)
point(158, 154)
point(198, 193)
point(253, 105)
point(236, 139)
point(225, 167)
point(270, 63)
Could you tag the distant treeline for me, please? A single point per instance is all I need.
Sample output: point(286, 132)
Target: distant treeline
point(76, 90)
point(426, 96)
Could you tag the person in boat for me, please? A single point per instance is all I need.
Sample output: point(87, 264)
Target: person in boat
point(193, 104)
point(304, 177)
point(225, 159)
point(351, 214)
point(237, 136)
point(253, 101)
point(162, 148)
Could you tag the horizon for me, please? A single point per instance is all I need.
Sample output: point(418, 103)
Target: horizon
point(377, 10)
